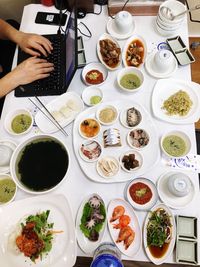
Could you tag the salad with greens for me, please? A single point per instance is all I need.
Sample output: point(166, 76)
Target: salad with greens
point(159, 228)
point(93, 218)
point(36, 236)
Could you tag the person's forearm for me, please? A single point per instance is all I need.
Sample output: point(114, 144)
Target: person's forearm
point(7, 32)
point(8, 83)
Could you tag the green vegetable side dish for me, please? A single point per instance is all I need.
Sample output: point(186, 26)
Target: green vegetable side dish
point(93, 218)
point(174, 145)
point(21, 123)
point(158, 228)
point(95, 99)
point(37, 235)
point(130, 81)
point(178, 104)
point(7, 190)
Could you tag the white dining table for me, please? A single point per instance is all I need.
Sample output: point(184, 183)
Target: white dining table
point(77, 186)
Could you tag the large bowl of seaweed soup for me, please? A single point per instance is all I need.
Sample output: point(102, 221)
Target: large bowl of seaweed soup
point(40, 164)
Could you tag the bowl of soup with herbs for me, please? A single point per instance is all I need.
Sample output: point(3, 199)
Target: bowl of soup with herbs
point(40, 164)
point(130, 79)
point(18, 122)
point(175, 144)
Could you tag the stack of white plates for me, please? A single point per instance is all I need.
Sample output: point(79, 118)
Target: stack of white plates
point(167, 25)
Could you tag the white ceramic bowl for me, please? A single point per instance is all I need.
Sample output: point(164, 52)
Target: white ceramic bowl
point(6, 176)
point(94, 66)
point(16, 157)
point(163, 60)
point(183, 136)
point(123, 21)
point(114, 111)
point(133, 141)
point(90, 92)
point(11, 115)
point(179, 184)
point(176, 8)
point(90, 135)
point(130, 70)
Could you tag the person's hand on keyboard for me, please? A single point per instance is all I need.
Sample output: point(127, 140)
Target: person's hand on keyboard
point(34, 44)
point(32, 69)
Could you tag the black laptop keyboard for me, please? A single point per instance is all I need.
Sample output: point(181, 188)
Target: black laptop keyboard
point(55, 83)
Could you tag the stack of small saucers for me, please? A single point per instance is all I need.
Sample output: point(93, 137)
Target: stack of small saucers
point(167, 21)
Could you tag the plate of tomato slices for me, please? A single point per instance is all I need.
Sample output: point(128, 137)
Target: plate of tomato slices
point(141, 193)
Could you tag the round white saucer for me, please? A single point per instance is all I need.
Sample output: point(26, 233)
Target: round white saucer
point(154, 73)
point(168, 198)
point(113, 31)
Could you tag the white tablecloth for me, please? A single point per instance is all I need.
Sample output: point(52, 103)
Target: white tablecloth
point(77, 186)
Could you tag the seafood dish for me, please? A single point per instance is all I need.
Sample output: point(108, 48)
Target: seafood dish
point(35, 239)
point(93, 218)
point(138, 138)
point(94, 77)
point(140, 193)
point(130, 117)
point(126, 233)
point(124, 227)
point(107, 166)
point(159, 233)
point(90, 150)
point(135, 53)
point(89, 128)
point(110, 53)
point(111, 137)
point(131, 161)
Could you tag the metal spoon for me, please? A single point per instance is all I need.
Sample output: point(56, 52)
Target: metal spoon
point(168, 14)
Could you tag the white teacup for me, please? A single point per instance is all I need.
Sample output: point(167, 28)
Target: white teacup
point(123, 22)
point(179, 185)
point(163, 59)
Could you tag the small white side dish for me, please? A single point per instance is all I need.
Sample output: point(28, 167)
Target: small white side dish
point(11, 115)
point(85, 244)
point(90, 150)
point(94, 66)
point(91, 92)
point(130, 117)
point(134, 224)
point(4, 188)
point(170, 248)
point(138, 138)
point(127, 71)
point(138, 157)
point(107, 167)
point(153, 189)
point(107, 114)
point(87, 125)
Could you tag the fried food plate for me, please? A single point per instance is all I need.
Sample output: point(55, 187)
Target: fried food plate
point(64, 250)
point(133, 224)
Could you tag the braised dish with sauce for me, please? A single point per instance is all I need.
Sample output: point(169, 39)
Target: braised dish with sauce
point(159, 233)
point(135, 53)
point(89, 128)
point(110, 53)
point(94, 77)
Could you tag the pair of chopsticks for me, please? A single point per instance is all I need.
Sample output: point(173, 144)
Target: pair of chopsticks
point(48, 115)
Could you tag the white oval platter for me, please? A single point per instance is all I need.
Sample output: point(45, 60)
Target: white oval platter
point(108, 36)
point(85, 244)
point(134, 224)
point(161, 260)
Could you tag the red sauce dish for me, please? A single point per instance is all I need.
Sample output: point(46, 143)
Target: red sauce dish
point(94, 77)
point(140, 193)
